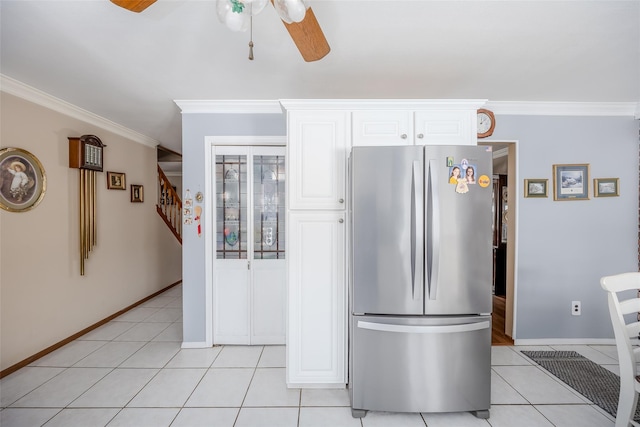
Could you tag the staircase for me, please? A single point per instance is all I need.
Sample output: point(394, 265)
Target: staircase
point(169, 205)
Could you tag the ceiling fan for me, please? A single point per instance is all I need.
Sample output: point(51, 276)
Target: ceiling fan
point(302, 26)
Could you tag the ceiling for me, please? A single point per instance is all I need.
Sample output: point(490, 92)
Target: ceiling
point(129, 68)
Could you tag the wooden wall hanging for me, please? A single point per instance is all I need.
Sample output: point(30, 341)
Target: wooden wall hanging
point(85, 154)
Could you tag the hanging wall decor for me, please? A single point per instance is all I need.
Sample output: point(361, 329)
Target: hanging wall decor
point(137, 193)
point(85, 154)
point(571, 182)
point(606, 187)
point(23, 182)
point(536, 188)
point(116, 181)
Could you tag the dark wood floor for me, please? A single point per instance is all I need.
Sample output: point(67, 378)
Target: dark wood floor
point(498, 336)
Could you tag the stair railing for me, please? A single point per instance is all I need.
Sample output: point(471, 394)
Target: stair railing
point(169, 205)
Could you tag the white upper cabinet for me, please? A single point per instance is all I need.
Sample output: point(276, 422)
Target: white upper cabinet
point(419, 127)
point(456, 127)
point(317, 155)
point(382, 128)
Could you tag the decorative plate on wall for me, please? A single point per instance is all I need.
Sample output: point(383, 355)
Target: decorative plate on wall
point(22, 180)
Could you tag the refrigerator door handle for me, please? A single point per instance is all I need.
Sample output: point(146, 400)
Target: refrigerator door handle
point(417, 255)
point(424, 329)
point(433, 239)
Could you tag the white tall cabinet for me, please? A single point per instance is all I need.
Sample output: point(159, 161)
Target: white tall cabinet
point(317, 313)
point(320, 134)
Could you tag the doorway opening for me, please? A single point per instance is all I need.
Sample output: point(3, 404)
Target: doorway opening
point(504, 240)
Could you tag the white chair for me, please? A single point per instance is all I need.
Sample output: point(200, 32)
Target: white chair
point(624, 332)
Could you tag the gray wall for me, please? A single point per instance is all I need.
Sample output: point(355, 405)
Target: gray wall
point(563, 248)
point(195, 127)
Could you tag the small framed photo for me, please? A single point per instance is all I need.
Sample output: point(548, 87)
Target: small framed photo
point(137, 193)
point(536, 188)
point(571, 182)
point(606, 187)
point(116, 181)
point(23, 182)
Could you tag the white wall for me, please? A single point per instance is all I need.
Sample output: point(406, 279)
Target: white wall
point(43, 298)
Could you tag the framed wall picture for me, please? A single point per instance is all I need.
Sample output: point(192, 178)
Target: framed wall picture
point(23, 182)
point(116, 181)
point(536, 188)
point(606, 187)
point(137, 193)
point(571, 182)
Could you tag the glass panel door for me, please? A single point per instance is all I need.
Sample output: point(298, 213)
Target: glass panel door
point(269, 214)
point(249, 266)
point(231, 206)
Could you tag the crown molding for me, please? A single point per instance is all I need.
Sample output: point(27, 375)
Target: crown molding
point(565, 108)
point(231, 106)
point(498, 107)
point(31, 94)
point(378, 104)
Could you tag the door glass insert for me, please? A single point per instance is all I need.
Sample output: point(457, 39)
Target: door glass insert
point(268, 204)
point(231, 207)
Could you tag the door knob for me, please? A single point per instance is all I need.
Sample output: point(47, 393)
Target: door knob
point(420, 135)
point(403, 136)
point(341, 220)
point(341, 200)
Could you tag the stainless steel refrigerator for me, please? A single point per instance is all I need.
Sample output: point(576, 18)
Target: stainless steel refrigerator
point(420, 285)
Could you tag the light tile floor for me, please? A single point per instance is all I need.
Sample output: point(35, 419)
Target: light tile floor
point(132, 372)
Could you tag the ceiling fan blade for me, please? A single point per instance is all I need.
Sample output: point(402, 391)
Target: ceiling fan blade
point(308, 37)
point(134, 5)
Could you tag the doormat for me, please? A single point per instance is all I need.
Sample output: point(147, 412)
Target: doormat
point(594, 382)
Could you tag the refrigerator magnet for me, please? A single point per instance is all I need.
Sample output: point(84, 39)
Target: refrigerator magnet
point(449, 161)
point(470, 174)
point(454, 174)
point(462, 187)
point(484, 181)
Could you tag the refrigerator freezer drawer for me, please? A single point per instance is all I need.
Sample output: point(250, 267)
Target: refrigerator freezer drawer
point(415, 364)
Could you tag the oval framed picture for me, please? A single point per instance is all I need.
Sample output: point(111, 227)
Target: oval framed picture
point(23, 182)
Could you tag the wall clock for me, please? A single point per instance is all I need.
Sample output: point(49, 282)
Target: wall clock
point(486, 123)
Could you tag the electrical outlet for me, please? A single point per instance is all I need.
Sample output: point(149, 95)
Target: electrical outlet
point(576, 308)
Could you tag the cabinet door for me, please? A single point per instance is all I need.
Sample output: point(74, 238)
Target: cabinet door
point(317, 159)
point(382, 128)
point(317, 313)
point(446, 127)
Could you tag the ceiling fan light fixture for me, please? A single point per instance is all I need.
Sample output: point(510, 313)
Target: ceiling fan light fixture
point(234, 14)
point(256, 6)
point(290, 11)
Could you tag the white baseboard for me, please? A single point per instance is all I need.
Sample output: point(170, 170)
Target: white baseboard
point(566, 341)
point(316, 385)
point(195, 344)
